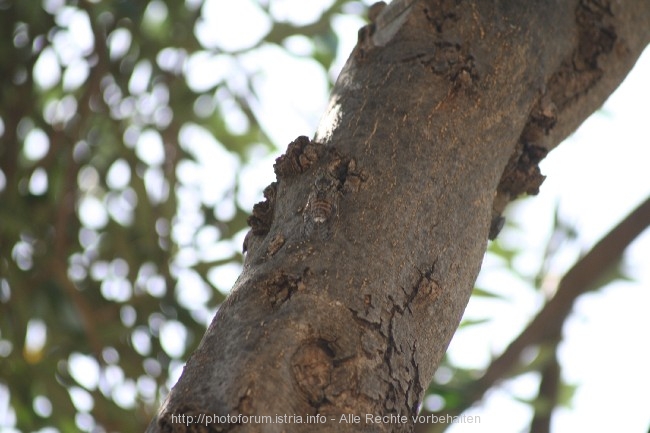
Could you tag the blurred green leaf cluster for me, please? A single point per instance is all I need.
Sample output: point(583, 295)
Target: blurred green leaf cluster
point(122, 133)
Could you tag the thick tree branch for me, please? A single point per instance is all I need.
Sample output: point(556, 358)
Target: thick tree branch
point(362, 258)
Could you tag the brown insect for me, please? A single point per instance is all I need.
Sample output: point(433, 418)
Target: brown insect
point(321, 206)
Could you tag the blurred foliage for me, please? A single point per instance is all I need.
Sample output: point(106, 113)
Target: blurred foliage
point(118, 197)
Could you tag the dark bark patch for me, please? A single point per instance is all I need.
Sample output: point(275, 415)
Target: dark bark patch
point(577, 74)
point(301, 154)
point(262, 217)
point(582, 70)
point(543, 118)
point(449, 60)
point(348, 173)
point(575, 77)
point(496, 225)
point(522, 174)
point(440, 13)
point(281, 286)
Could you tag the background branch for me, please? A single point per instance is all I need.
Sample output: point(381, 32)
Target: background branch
point(547, 325)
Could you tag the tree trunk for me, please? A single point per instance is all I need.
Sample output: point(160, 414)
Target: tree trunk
point(362, 258)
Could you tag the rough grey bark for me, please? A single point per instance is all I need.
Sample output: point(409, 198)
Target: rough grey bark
point(362, 258)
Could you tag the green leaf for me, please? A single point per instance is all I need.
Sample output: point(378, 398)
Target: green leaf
point(484, 293)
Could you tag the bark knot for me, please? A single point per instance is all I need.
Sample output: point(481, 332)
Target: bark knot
point(301, 154)
point(312, 366)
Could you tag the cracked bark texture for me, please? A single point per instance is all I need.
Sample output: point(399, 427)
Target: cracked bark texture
point(363, 256)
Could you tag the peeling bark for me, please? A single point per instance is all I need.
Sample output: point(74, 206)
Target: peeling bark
point(363, 256)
